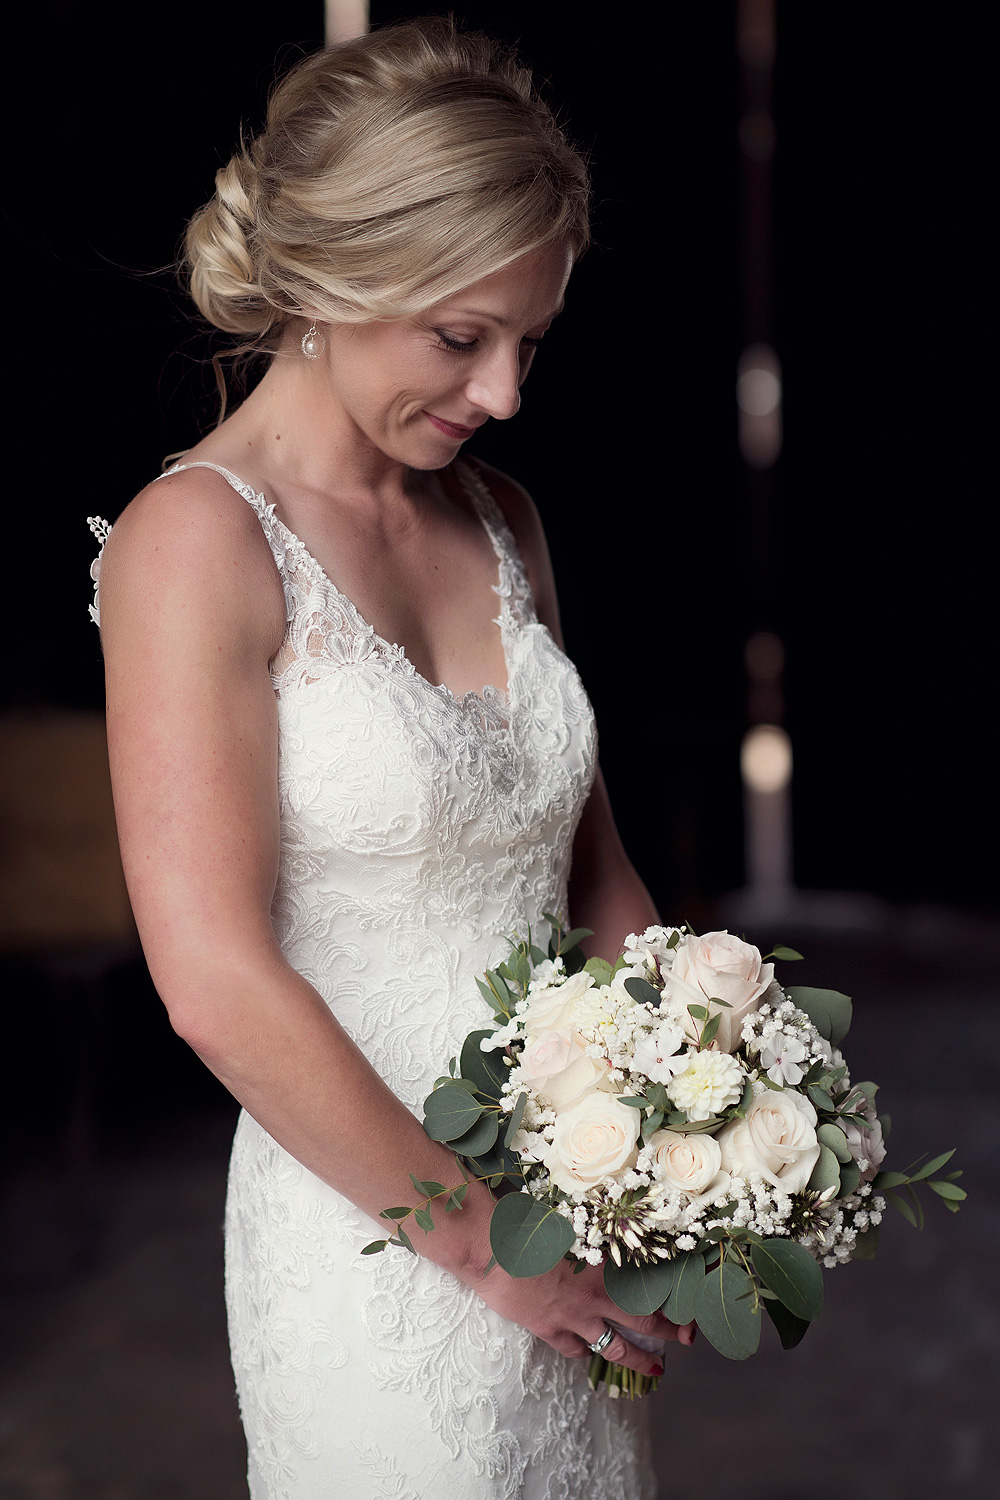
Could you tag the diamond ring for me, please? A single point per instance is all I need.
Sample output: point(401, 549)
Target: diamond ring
point(603, 1341)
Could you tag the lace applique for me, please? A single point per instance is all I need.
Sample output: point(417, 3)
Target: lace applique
point(101, 530)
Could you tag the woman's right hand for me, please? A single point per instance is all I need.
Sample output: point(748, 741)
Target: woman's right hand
point(568, 1309)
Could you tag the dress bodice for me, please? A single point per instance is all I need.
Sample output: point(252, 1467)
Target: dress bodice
point(412, 819)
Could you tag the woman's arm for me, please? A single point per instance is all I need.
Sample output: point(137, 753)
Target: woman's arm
point(192, 613)
point(606, 894)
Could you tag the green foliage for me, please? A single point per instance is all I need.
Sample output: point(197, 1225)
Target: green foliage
point(528, 1238)
point(791, 1330)
point(790, 1272)
point(834, 1138)
point(642, 992)
point(486, 1070)
point(826, 1172)
point(850, 1176)
point(828, 1010)
point(689, 1273)
point(788, 955)
point(727, 1311)
point(482, 1137)
point(450, 1111)
point(514, 1123)
point(600, 969)
point(639, 1289)
point(374, 1247)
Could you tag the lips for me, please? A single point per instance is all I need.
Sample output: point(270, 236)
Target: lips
point(451, 429)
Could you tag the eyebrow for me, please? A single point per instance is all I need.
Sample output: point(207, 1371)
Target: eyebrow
point(472, 312)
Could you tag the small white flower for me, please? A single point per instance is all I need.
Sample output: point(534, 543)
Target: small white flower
point(781, 1057)
point(655, 1053)
point(711, 1082)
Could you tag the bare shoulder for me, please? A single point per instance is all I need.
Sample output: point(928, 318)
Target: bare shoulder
point(188, 543)
point(521, 515)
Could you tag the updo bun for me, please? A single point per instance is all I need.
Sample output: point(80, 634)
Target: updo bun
point(393, 171)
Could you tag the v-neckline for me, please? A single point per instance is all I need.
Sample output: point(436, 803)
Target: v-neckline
point(491, 700)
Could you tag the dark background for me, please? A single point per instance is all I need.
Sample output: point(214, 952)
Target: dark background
point(881, 582)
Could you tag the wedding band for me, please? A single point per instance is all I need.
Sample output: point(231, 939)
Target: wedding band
point(603, 1341)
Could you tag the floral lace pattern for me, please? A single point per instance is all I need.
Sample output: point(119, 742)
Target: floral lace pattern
point(417, 830)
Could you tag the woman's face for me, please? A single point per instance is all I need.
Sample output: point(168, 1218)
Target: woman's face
point(418, 387)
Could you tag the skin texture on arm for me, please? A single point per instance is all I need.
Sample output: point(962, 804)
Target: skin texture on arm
point(192, 612)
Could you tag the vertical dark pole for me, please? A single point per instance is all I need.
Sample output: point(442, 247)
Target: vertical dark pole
point(766, 760)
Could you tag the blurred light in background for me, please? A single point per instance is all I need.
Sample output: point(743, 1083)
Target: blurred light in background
point(758, 400)
point(766, 758)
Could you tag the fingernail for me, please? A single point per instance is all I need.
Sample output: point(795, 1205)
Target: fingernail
point(657, 1370)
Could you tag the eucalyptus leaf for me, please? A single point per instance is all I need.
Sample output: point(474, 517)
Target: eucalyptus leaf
point(820, 1098)
point(699, 1012)
point(600, 969)
point(424, 1219)
point(528, 1238)
point(634, 1101)
point(698, 1127)
point(374, 1247)
point(492, 1000)
point(828, 1010)
point(573, 938)
point(729, 1321)
point(482, 1137)
point(651, 1125)
point(450, 1111)
point(428, 1189)
point(514, 1123)
point(850, 1176)
point(688, 1275)
point(642, 992)
point(788, 1269)
point(708, 1031)
point(789, 955)
point(404, 1239)
point(639, 1290)
point(948, 1190)
point(791, 1330)
point(833, 1137)
point(904, 1208)
point(885, 1180)
point(826, 1172)
point(934, 1165)
point(486, 1070)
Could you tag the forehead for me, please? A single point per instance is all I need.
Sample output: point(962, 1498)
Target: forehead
point(529, 290)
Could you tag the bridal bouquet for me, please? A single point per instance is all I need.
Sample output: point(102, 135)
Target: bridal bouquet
point(679, 1116)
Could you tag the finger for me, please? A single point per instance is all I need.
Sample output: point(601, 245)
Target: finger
point(621, 1352)
point(654, 1326)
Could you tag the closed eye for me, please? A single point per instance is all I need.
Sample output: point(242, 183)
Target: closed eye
point(458, 346)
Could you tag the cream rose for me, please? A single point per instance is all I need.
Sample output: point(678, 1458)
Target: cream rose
point(692, 1164)
point(561, 1007)
point(776, 1141)
point(723, 967)
point(593, 1140)
point(557, 1067)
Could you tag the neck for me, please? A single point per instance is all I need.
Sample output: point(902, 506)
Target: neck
point(293, 432)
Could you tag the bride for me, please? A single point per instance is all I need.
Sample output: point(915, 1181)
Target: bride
point(350, 757)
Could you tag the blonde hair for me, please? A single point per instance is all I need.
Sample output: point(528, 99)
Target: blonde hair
point(393, 171)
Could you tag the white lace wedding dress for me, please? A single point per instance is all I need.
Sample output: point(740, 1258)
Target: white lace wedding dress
point(417, 831)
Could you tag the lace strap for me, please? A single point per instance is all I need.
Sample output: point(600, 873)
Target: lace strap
point(513, 586)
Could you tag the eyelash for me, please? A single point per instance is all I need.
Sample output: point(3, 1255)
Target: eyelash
point(457, 347)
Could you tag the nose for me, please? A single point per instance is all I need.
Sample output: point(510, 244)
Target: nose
point(495, 386)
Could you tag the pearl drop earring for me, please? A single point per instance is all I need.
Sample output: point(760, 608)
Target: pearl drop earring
point(313, 343)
